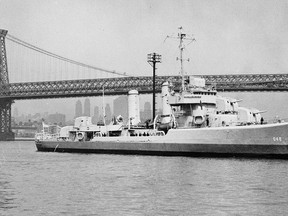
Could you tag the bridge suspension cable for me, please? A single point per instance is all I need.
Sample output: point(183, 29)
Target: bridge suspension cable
point(45, 52)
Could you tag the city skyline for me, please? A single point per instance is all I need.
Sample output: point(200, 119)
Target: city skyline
point(115, 107)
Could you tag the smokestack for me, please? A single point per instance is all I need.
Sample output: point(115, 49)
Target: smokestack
point(133, 107)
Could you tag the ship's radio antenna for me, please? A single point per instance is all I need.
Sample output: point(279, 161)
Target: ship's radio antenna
point(181, 36)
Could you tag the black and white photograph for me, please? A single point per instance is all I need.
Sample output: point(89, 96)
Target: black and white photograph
point(143, 107)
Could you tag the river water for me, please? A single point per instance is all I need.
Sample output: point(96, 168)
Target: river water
point(37, 183)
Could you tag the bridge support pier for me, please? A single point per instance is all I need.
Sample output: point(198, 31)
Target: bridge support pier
point(5, 104)
point(5, 120)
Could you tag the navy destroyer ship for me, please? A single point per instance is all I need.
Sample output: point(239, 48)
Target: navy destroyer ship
point(196, 121)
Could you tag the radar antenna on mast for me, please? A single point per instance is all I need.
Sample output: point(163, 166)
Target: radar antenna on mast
point(181, 36)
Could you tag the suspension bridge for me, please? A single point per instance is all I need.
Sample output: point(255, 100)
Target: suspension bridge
point(35, 73)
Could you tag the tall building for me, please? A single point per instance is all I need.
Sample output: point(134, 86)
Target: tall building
point(120, 107)
point(57, 118)
point(87, 107)
point(78, 109)
point(108, 114)
point(15, 112)
point(147, 112)
point(95, 117)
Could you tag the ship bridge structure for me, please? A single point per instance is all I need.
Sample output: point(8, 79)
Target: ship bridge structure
point(29, 72)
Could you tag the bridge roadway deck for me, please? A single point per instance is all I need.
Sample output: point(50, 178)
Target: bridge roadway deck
point(144, 84)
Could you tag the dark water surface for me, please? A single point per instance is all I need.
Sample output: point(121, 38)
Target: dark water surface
point(36, 183)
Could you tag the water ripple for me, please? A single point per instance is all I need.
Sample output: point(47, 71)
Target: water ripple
point(35, 183)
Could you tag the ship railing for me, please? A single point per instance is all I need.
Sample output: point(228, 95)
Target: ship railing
point(46, 136)
point(245, 123)
point(98, 134)
point(160, 133)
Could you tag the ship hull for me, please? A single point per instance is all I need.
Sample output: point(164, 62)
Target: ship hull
point(260, 140)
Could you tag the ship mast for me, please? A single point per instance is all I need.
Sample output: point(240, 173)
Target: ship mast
point(181, 36)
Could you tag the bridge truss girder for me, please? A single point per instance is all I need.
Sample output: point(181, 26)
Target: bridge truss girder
point(120, 86)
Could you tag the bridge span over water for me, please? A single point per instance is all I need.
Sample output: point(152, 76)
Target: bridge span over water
point(117, 85)
point(144, 84)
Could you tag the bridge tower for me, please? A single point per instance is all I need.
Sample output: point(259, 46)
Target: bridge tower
point(5, 104)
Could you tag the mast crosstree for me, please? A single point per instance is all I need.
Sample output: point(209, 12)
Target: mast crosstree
point(181, 37)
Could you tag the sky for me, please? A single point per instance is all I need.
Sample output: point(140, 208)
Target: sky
point(232, 36)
